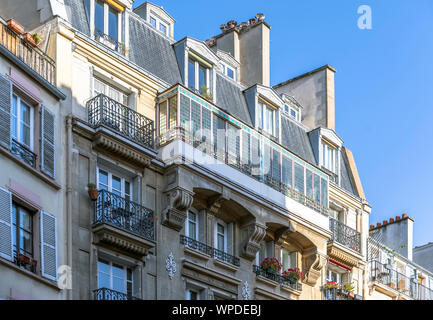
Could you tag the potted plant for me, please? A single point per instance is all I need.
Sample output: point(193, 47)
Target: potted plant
point(27, 37)
point(271, 265)
point(93, 191)
point(331, 285)
point(36, 38)
point(205, 93)
point(349, 288)
point(292, 275)
point(15, 26)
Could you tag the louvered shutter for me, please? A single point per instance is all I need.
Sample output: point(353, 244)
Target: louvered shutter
point(48, 246)
point(48, 143)
point(5, 111)
point(6, 250)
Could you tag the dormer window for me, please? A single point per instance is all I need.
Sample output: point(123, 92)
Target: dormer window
point(329, 156)
point(293, 112)
point(199, 75)
point(266, 117)
point(228, 70)
point(158, 24)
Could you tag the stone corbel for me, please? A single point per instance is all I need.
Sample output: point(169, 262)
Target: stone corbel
point(281, 234)
point(215, 204)
point(313, 265)
point(253, 233)
point(174, 215)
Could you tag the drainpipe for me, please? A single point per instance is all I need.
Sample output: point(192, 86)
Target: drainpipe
point(69, 193)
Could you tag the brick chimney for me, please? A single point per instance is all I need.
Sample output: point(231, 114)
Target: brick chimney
point(248, 42)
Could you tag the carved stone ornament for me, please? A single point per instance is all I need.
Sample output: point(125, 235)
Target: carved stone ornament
point(174, 215)
point(313, 265)
point(170, 265)
point(246, 294)
point(253, 234)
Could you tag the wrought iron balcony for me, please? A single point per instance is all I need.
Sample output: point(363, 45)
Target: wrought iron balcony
point(235, 162)
point(23, 153)
point(31, 56)
point(345, 235)
point(277, 278)
point(102, 110)
point(340, 294)
point(108, 294)
point(214, 253)
point(124, 214)
point(384, 274)
point(109, 42)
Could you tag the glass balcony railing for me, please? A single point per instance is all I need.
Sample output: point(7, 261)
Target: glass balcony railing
point(102, 110)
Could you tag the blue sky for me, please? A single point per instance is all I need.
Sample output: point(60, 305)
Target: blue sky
point(384, 106)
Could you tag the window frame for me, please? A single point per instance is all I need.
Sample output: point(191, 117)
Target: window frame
point(262, 117)
point(197, 66)
point(328, 150)
point(106, 19)
point(110, 182)
point(216, 233)
point(196, 222)
point(17, 206)
point(19, 100)
point(125, 269)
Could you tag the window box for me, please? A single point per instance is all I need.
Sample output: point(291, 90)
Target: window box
point(15, 26)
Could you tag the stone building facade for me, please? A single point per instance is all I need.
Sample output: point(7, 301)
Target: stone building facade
point(203, 169)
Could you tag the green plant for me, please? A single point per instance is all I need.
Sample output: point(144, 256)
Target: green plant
point(293, 273)
point(91, 186)
point(331, 285)
point(205, 92)
point(348, 287)
point(271, 264)
point(37, 38)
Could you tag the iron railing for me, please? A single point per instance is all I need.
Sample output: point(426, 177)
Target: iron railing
point(103, 110)
point(23, 153)
point(214, 253)
point(31, 56)
point(109, 42)
point(345, 235)
point(235, 162)
point(277, 278)
point(384, 274)
point(340, 294)
point(124, 214)
point(108, 294)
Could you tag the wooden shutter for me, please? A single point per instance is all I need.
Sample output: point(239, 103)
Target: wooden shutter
point(6, 250)
point(48, 143)
point(48, 246)
point(5, 111)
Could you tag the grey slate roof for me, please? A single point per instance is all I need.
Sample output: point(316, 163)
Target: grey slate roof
point(296, 139)
point(153, 52)
point(230, 98)
point(77, 15)
point(346, 182)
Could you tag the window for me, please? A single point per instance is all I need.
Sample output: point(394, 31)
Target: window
point(228, 71)
point(22, 122)
point(113, 23)
point(114, 184)
point(191, 228)
point(287, 172)
point(106, 23)
point(265, 118)
point(167, 115)
point(287, 259)
point(99, 16)
point(192, 295)
point(160, 24)
point(293, 112)
point(163, 28)
point(191, 74)
point(329, 157)
point(153, 22)
point(299, 178)
point(115, 277)
point(22, 230)
point(198, 76)
point(99, 86)
point(221, 236)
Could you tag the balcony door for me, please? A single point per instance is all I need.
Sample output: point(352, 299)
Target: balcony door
point(116, 278)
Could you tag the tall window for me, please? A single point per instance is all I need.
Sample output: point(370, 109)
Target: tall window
point(163, 28)
point(191, 74)
point(287, 259)
point(191, 229)
point(106, 23)
point(299, 178)
point(113, 16)
point(22, 122)
point(22, 230)
point(153, 22)
point(115, 277)
point(115, 184)
point(329, 157)
point(100, 86)
point(167, 115)
point(99, 16)
point(221, 236)
point(265, 118)
point(198, 76)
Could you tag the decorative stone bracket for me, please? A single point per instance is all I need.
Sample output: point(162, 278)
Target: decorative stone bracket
point(252, 234)
point(174, 215)
point(313, 265)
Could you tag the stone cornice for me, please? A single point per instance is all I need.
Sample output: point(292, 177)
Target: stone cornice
point(343, 256)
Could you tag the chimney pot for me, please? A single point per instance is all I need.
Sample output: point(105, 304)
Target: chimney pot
point(391, 220)
point(260, 16)
point(385, 222)
point(378, 224)
point(397, 218)
point(404, 216)
point(372, 226)
point(252, 21)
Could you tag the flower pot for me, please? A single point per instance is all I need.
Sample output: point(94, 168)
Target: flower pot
point(27, 37)
point(93, 194)
point(351, 294)
point(15, 26)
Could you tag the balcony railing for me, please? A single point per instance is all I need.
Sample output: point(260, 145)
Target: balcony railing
point(108, 294)
point(109, 42)
point(384, 274)
point(340, 294)
point(31, 56)
point(277, 278)
point(345, 235)
point(23, 153)
point(124, 214)
point(234, 161)
point(103, 110)
point(214, 253)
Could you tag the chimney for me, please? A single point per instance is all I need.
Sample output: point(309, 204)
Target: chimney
point(249, 43)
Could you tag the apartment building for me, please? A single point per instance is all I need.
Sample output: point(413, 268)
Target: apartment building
point(393, 273)
point(32, 220)
point(203, 169)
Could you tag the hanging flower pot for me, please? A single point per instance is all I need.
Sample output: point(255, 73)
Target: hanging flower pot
point(92, 191)
point(15, 26)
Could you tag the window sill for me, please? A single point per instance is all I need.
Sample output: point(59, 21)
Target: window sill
point(35, 172)
point(32, 275)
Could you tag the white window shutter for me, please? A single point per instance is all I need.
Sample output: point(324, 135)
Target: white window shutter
point(48, 151)
point(48, 246)
point(6, 245)
point(5, 111)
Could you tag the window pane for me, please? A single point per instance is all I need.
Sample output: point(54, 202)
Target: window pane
point(191, 74)
point(103, 280)
point(118, 271)
point(255, 156)
point(14, 117)
point(299, 178)
point(26, 243)
point(103, 180)
point(266, 160)
point(220, 242)
point(202, 78)
point(172, 112)
point(103, 267)
point(196, 120)
point(219, 137)
point(119, 285)
point(230, 73)
point(220, 229)
point(260, 115)
point(287, 171)
point(112, 23)
point(184, 112)
point(316, 188)
point(25, 124)
point(162, 118)
point(192, 230)
point(309, 184)
point(163, 28)
point(99, 16)
point(285, 260)
point(153, 22)
point(276, 170)
point(25, 220)
point(206, 125)
point(324, 193)
point(116, 184)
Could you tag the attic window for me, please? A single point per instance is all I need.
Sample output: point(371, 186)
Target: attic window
point(228, 70)
point(329, 156)
point(158, 24)
point(199, 73)
point(265, 117)
point(293, 112)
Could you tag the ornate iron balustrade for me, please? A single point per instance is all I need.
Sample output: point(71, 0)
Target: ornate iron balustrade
point(345, 235)
point(214, 253)
point(31, 56)
point(103, 110)
point(124, 214)
point(277, 278)
point(109, 42)
point(235, 162)
point(340, 294)
point(108, 294)
point(384, 274)
point(23, 153)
